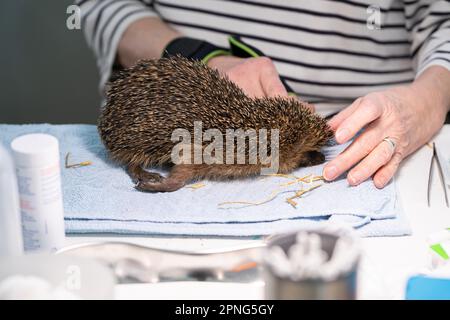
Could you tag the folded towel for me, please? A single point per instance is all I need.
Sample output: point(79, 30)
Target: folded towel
point(101, 197)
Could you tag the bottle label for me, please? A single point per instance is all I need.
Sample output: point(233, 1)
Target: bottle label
point(41, 207)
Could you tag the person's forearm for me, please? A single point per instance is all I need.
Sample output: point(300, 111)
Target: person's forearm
point(434, 86)
point(144, 39)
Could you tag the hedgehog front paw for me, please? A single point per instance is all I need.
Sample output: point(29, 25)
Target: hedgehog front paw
point(138, 174)
point(165, 185)
point(152, 177)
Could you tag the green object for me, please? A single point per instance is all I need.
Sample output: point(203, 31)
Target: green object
point(439, 250)
point(213, 54)
point(243, 47)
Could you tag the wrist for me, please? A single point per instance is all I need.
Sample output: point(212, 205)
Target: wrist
point(425, 103)
point(222, 62)
point(219, 53)
point(433, 84)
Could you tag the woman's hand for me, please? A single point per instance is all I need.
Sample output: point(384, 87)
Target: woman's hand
point(409, 115)
point(256, 76)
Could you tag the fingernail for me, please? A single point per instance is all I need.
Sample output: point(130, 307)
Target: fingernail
point(379, 183)
point(330, 173)
point(342, 134)
point(354, 178)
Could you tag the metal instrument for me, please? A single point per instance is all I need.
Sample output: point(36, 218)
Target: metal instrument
point(435, 158)
point(133, 263)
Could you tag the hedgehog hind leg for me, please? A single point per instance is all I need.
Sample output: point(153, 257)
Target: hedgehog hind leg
point(178, 177)
point(138, 174)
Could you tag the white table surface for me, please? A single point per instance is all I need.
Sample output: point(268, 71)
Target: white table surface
point(386, 264)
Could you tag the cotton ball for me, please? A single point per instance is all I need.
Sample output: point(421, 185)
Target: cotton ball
point(20, 287)
point(276, 257)
point(23, 287)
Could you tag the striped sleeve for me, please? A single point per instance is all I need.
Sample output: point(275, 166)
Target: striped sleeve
point(104, 22)
point(429, 24)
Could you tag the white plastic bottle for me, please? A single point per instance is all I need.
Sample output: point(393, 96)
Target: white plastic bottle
point(36, 158)
point(11, 243)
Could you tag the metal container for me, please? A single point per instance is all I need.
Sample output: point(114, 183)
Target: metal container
point(343, 287)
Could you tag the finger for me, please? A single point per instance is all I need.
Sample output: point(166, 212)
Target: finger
point(270, 80)
point(364, 114)
point(385, 173)
point(272, 85)
point(359, 148)
point(344, 114)
point(381, 155)
point(246, 77)
point(251, 88)
point(254, 91)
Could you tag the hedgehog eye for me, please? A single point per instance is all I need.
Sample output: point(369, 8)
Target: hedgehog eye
point(311, 158)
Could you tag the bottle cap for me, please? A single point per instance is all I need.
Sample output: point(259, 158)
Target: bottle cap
point(35, 150)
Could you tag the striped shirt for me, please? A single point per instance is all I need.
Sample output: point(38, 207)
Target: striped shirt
point(330, 52)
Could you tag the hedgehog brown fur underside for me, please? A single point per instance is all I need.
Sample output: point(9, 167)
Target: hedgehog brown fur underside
point(148, 101)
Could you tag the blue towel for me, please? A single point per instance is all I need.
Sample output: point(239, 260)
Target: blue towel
point(101, 198)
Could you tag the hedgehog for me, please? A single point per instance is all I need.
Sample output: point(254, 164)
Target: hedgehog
point(146, 103)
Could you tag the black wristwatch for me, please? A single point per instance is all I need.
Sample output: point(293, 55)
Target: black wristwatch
point(194, 49)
